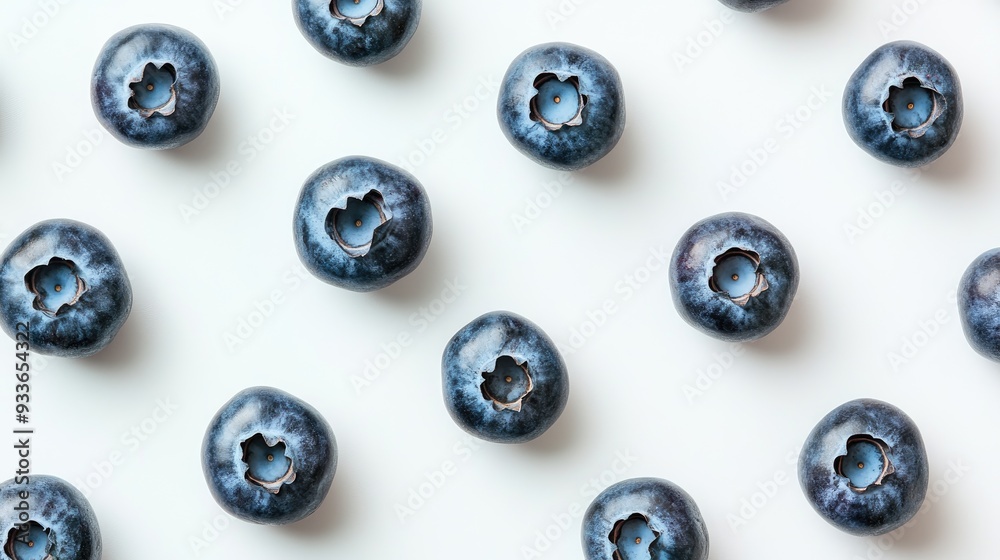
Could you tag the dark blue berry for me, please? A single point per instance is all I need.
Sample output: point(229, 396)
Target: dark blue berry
point(504, 380)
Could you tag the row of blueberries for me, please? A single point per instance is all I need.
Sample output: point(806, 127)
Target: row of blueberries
point(362, 224)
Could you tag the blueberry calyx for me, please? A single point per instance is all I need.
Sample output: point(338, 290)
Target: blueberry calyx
point(536, 113)
point(147, 95)
point(852, 466)
point(917, 99)
point(22, 540)
point(262, 456)
point(349, 222)
point(726, 275)
point(337, 12)
point(632, 529)
point(57, 272)
point(507, 384)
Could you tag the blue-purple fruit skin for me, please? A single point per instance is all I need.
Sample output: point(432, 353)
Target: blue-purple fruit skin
point(474, 349)
point(668, 509)
point(124, 57)
point(572, 147)
point(979, 304)
point(90, 324)
point(379, 39)
point(752, 5)
point(398, 247)
point(57, 506)
point(715, 313)
point(870, 125)
point(309, 441)
point(883, 507)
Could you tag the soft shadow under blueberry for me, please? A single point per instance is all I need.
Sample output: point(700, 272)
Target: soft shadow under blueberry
point(561, 436)
point(415, 56)
point(790, 334)
point(125, 350)
point(613, 169)
point(423, 284)
point(214, 146)
point(333, 514)
point(958, 166)
point(799, 11)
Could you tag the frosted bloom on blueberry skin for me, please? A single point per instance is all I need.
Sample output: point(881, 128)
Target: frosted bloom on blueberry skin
point(979, 304)
point(562, 105)
point(361, 223)
point(903, 105)
point(358, 32)
point(61, 524)
point(65, 279)
point(154, 86)
point(752, 5)
point(863, 468)
point(733, 276)
point(503, 379)
point(269, 457)
point(644, 518)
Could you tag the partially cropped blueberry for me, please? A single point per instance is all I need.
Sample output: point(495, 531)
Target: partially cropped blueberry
point(733, 276)
point(562, 105)
point(361, 223)
point(863, 468)
point(503, 379)
point(644, 518)
point(45, 518)
point(63, 289)
point(358, 32)
point(269, 457)
point(903, 105)
point(979, 304)
point(752, 5)
point(154, 86)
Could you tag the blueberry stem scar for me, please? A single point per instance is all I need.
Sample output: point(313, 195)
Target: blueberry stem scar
point(22, 540)
point(56, 286)
point(354, 223)
point(737, 275)
point(866, 463)
point(558, 103)
point(356, 12)
point(913, 106)
point(155, 91)
point(507, 383)
point(267, 461)
point(632, 537)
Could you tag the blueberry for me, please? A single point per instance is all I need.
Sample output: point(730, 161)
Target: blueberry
point(358, 32)
point(60, 523)
point(903, 105)
point(64, 280)
point(979, 304)
point(644, 518)
point(154, 86)
point(863, 468)
point(503, 378)
point(361, 223)
point(752, 5)
point(733, 276)
point(268, 457)
point(562, 105)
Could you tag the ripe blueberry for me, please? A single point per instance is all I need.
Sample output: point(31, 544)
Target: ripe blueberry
point(903, 105)
point(503, 378)
point(733, 276)
point(562, 105)
point(863, 468)
point(269, 457)
point(644, 518)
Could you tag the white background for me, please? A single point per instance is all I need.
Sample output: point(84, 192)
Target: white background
point(197, 276)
